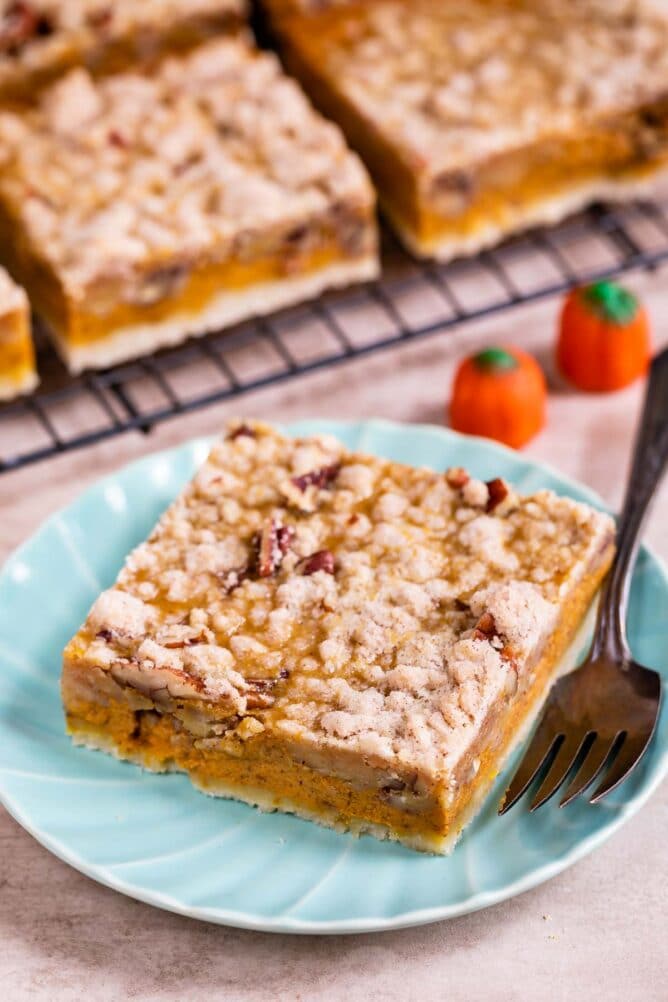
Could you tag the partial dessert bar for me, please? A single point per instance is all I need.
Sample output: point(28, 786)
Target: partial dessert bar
point(479, 118)
point(146, 208)
point(41, 39)
point(335, 635)
point(17, 354)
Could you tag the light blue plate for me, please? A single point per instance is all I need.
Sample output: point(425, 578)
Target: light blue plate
point(157, 839)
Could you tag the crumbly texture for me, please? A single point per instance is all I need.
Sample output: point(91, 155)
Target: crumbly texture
point(40, 37)
point(218, 154)
point(342, 604)
point(478, 119)
point(460, 81)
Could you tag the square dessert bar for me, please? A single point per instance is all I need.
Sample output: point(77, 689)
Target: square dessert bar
point(478, 118)
point(140, 209)
point(17, 354)
point(40, 39)
point(335, 635)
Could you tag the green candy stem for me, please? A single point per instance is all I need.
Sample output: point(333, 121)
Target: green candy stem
point(611, 302)
point(495, 360)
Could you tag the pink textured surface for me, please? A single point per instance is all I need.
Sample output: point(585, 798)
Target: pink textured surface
point(597, 931)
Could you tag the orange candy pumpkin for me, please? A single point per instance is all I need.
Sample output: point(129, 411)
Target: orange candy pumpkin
point(604, 338)
point(499, 393)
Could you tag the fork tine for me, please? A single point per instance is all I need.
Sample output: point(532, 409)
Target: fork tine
point(630, 754)
point(560, 767)
point(590, 768)
point(543, 746)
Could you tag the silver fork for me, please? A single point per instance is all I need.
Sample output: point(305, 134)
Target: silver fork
point(598, 721)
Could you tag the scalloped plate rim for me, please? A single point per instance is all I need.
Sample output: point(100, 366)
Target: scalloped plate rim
point(243, 919)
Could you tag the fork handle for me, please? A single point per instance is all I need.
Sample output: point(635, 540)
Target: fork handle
point(650, 455)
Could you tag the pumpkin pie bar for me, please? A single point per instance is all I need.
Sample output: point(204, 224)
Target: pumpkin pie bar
point(41, 39)
point(479, 118)
point(17, 355)
point(140, 209)
point(335, 635)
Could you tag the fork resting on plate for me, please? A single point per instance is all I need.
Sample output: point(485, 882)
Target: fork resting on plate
point(599, 720)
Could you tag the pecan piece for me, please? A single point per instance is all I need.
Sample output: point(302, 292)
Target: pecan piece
point(317, 478)
point(485, 628)
point(117, 139)
point(284, 536)
point(392, 786)
point(100, 19)
point(323, 560)
point(272, 543)
point(498, 492)
point(178, 645)
point(241, 431)
point(456, 477)
point(105, 635)
point(260, 695)
point(161, 282)
point(18, 24)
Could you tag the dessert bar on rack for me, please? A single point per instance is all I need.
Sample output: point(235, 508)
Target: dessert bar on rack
point(335, 635)
point(479, 118)
point(17, 354)
point(140, 209)
point(40, 39)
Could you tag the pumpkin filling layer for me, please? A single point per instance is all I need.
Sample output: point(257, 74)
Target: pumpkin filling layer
point(17, 355)
point(335, 635)
point(142, 208)
point(480, 118)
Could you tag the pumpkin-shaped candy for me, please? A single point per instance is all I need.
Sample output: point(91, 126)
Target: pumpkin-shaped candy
point(499, 393)
point(604, 338)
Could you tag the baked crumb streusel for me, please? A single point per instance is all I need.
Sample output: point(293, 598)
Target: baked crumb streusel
point(478, 117)
point(39, 39)
point(335, 634)
point(149, 207)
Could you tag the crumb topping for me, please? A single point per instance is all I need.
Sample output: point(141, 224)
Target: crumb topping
point(39, 33)
point(458, 82)
point(387, 619)
point(131, 179)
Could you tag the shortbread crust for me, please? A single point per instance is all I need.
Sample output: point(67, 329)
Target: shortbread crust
point(146, 209)
point(478, 119)
point(17, 354)
point(339, 636)
point(41, 39)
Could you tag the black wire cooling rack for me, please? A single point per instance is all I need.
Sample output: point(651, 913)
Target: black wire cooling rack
point(410, 301)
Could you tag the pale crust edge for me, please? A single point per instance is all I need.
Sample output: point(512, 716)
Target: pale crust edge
point(10, 388)
point(223, 311)
point(546, 212)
